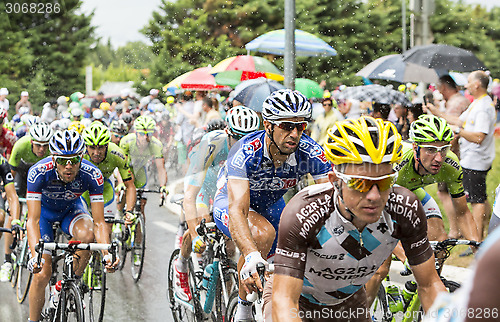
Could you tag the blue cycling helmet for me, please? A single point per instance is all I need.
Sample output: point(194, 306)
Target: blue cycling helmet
point(285, 103)
point(67, 142)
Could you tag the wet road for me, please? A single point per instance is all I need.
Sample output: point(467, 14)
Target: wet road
point(126, 300)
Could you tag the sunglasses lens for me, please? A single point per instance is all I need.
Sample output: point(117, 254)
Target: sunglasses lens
point(64, 161)
point(364, 185)
point(289, 126)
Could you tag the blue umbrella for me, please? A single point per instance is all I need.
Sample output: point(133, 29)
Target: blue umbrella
point(252, 93)
point(392, 67)
point(306, 44)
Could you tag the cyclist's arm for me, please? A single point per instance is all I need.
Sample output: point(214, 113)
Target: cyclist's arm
point(101, 229)
point(162, 173)
point(130, 194)
point(465, 220)
point(239, 204)
point(286, 294)
point(322, 180)
point(190, 212)
point(33, 224)
point(13, 199)
point(429, 283)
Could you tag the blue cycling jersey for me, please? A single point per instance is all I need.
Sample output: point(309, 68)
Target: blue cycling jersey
point(44, 184)
point(249, 160)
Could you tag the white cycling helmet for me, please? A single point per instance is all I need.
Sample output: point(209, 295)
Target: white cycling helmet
point(285, 103)
point(67, 142)
point(241, 121)
point(29, 119)
point(64, 124)
point(77, 111)
point(73, 105)
point(41, 132)
point(98, 114)
point(65, 115)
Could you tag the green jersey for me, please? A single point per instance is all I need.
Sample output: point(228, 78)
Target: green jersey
point(450, 172)
point(22, 156)
point(115, 158)
point(139, 156)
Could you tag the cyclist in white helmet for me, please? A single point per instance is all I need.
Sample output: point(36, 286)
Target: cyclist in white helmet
point(260, 169)
point(200, 183)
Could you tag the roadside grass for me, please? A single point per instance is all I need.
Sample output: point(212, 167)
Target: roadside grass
point(492, 181)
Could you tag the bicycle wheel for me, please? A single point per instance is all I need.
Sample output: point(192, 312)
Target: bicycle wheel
point(380, 307)
point(15, 265)
point(225, 288)
point(23, 274)
point(232, 306)
point(181, 312)
point(71, 303)
point(94, 286)
point(124, 246)
point(138, 248)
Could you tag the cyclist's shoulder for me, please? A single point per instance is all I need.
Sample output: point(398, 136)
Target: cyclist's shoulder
point(90, 173)
point(451, 163)
point(42, 168)
point(115, 153)
point(404, 204)
point(128, 139)
point(23, 143)
point(250, 145)
point(214, 137)
point(315, 201)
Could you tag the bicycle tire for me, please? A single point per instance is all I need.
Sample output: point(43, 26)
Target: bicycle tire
point(138, 249)
point(95, 288)
point(179, 311)
point(24, 275)
point(229, 271)
point(71, 303)
point(15, 265)
point(232, 306)
point(124, 246)
point(380, 307)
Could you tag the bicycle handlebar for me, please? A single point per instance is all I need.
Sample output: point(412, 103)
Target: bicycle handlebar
point(452, 242)
point(74, 246)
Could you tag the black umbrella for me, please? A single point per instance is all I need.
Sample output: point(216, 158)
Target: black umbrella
point(374, 93)
point(252, 93)
point(443, 57)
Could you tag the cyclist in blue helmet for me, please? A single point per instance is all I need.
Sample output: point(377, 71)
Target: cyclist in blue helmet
point(55, 185)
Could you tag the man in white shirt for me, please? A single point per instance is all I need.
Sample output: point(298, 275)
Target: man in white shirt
point(475, 127)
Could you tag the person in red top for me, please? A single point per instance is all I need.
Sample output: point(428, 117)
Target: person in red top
point(7, 137)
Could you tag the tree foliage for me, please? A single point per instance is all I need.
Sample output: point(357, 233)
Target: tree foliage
point(187, 34)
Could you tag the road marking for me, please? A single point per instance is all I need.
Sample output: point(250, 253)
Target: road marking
point(166, 226)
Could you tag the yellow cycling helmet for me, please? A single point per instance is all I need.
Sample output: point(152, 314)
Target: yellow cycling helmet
point(77, 126)
point(363, 140)
point(104, 106)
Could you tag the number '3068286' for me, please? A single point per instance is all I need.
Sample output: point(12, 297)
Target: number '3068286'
point(33, 7)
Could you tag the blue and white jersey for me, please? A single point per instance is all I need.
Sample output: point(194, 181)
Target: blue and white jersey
point(44, 184)
point(249, 160)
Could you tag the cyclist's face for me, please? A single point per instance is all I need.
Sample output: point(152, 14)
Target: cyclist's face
point(39, 149)
point(143, 137)
point(97, 153)
point(432, 159)
point(367, 206)
point(115, 138)
point(286, 140)
point(67, 172)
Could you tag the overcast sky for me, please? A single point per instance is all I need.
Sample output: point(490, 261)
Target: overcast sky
point(121, 20)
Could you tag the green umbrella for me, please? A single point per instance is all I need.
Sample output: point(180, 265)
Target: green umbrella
point(309, 88)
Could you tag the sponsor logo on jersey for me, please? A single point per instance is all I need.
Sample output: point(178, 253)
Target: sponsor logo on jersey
point(290, 254)
point(39, 170)
point(337, 231)
point(339, 257)
point(344, 273)
point(318, 153)
point(61, 195)
point(272, 183)
point(118, 154)
point(419, 243)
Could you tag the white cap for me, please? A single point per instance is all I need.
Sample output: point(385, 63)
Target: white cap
point(154, 92)
point(77, 111)
point(73, 105)
point(80, 95)
point(98, 114)
point(24, 93)
point(61, 100)
point(4, 91)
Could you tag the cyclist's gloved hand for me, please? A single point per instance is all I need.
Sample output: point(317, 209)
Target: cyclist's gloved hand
point(129, 217)
point(198, 245)
point(16, 224)
point(163, 190)
point(110, 267)
point(249, 269)
point(33, 265)
point(120, 187)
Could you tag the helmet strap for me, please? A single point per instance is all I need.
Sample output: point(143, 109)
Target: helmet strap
point(338, 187)
point(420, 161)
point(271, 136)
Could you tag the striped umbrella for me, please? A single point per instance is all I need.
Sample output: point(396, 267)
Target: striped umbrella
point(306, 44)
point(374, 93)
point(233, 70)
point(199, 79)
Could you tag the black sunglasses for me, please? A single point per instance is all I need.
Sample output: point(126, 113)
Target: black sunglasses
point(289, 126)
